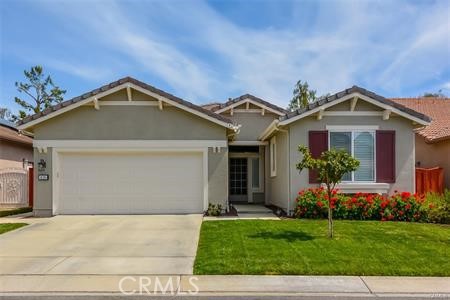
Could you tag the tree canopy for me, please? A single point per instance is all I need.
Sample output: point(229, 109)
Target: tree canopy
point(301, 96)
point(40, 91)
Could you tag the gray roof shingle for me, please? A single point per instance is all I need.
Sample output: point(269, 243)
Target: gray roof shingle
point(254, 98)
point(117, 83)
point(355, 89)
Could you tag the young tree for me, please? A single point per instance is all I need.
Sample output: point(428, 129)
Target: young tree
point(301, 96)
point(42, 91)
point(331, 166)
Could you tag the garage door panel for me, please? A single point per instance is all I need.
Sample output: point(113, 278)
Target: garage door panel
point(134, 183)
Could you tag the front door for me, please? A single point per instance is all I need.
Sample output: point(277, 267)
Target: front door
point(238, 179)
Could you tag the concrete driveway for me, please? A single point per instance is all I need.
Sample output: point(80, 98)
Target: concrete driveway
point(69, 245)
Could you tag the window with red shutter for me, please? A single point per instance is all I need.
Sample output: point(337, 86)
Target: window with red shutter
point(385, 155)
point(318, 143)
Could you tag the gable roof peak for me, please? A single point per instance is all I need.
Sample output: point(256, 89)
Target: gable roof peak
point(379, 100)
point(138, 84)
point(253, 98)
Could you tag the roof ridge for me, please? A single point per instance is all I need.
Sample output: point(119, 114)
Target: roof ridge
point(127, 79)
point(355, 89)
point(255, 98)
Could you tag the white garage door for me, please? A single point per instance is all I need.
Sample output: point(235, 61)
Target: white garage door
point(134, 183)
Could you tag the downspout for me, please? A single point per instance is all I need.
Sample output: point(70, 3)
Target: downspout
point(289, 173)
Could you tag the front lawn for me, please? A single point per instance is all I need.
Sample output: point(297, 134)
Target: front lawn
point(5, 227)
point(301, 247)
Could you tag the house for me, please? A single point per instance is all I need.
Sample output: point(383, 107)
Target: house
point(432, 141)
point(16, 150)
point(130, 148)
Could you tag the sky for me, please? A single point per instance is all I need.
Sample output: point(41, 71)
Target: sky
point(207, 51)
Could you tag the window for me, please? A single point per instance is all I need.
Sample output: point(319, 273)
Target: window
point(255, 173)
point(238, 176)
point(361, 145)
point(273, 157)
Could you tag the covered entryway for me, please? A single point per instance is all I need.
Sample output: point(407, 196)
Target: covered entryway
point(129, 183)
point(246, 174)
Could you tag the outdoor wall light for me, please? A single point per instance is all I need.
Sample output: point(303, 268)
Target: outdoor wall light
point(42, 164)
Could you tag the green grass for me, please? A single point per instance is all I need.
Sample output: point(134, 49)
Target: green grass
point(301, 247)
point(15, 211)
point(5, 227)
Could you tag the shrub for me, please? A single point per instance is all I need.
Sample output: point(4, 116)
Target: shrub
point(403, 207)
point(360, 206)
point(438, 207)
point(313, 203)
point(15, 211)
point(214, 210)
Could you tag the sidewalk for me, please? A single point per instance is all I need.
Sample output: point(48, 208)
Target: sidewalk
point(222, 287)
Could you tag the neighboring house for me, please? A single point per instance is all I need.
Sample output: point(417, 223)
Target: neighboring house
point(129, 148)
point(432, 141)
point(15, 149)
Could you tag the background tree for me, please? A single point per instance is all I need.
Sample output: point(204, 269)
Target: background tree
point(331, 166)
point(438, 94)
point(5, 113)
point(41, 90)
point(301, 96)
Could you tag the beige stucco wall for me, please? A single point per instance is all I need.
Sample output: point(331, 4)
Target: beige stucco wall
point(135, 123)
point(434, 155)
point(253, 124)
point(128, 123)
point(360, 106)
point(12, 154)
point(42, 205)
point(278, 186)
point(298, 133)
point(218, 177)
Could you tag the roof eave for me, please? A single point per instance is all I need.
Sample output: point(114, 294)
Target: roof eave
point(273, 126)
point(255, 100)
point(115, 86)
point(349, 94)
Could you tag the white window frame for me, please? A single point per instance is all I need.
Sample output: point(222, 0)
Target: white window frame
point(353, 130)
point(260, 188)
point(273, 156)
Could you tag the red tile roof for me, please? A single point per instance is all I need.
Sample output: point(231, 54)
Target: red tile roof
point(436, 108)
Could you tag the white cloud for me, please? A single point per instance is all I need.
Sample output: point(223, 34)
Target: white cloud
point(86, 72)
point(201, 54)
point(115, 31)
point(423, 57)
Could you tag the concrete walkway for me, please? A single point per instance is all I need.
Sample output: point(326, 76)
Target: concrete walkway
point(221, 287)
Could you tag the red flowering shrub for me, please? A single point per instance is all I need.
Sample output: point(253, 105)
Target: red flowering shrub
point(313, 203)
point(403, 207)
point(360, 206)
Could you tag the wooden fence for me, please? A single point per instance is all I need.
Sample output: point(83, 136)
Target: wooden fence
point(429, 180)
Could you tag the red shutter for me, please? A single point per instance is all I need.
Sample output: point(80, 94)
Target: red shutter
point(318, 143)
point(385, 156)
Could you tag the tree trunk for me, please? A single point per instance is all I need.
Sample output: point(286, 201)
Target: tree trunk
point(330, 216)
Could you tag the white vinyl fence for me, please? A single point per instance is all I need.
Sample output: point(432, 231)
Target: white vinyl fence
point(13, 188)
